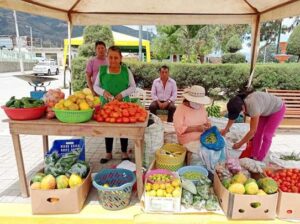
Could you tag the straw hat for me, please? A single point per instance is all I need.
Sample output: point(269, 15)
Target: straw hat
point(196, 94)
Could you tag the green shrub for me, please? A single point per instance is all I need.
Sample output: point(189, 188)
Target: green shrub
point(234, 44)
point(78, 73)
point(233, 58)
point(293, 46)
point(229, 77)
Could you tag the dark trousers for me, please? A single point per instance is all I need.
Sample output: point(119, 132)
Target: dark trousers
point(109, 144)
point(170, 108)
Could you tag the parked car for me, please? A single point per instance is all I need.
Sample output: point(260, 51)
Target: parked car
point(46, 67)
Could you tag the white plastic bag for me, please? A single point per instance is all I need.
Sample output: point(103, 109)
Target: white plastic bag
point(153, 140)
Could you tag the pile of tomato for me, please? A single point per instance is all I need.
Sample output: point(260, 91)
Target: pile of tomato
point(120, 112)
point(288, 180)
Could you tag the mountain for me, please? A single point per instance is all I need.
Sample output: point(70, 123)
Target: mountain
point(49, 32)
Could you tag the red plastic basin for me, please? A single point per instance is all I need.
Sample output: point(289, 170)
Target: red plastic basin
point(24, 113)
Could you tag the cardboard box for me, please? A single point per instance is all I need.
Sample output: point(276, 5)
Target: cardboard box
point(288, 206)
point(60, 201)
point(238, 206)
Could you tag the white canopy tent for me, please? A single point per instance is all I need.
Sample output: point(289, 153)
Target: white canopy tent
point(162, 12)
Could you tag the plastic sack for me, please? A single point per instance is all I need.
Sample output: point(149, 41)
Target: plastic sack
point(212, 139)
point(210, 158)
point(153, 140)
point(290, 164)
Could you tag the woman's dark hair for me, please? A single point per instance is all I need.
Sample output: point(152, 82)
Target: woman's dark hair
point(235, 104)
point(115, 48)
point(99, 42)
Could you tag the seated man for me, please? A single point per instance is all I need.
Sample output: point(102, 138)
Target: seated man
point(164, 93)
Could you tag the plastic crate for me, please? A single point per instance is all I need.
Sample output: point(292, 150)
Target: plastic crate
point(68, 145)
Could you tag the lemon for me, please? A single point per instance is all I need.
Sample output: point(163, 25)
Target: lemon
point(75, 180)
point(176, 183)
point(105, 185)
point(176, 193)
point(160, 193)
point(155, 186)
point(162, 186)
point(152, 193)
point(148, 187)
point(170, 189)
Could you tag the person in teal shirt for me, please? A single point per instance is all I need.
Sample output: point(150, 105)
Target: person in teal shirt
point(114, 81)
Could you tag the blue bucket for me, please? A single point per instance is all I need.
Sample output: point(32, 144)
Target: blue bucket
point(117, 195)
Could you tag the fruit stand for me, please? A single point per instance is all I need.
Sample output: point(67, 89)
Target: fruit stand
point(46, 127)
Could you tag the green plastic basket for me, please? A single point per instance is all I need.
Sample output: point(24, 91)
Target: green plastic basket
point(73, 116)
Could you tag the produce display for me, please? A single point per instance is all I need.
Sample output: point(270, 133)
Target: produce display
point(214, 111)
point(80, 100)
point(287, 179)
point(61, 172)
point(200, 195)
point(120, 112)
point(52, 97)
point(24, 102)
point(163, 185)
point(240, 183)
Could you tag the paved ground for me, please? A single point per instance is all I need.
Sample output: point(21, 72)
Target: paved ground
point(32, 145)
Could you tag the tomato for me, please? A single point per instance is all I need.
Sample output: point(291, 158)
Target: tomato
point(112, 120)
point(100, 119)
point(119, 120)
point(132, 119)
point(107, 119)
point(125, 119)
point(284, 189)
point(141, 119)
point(107, 111)
point(132, 111)
point(115, 115)
point(125, 113)
point(282, 174)
point(294, 189)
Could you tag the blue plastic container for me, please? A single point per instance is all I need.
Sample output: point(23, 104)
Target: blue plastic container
point(117, 195)
point(37, 95)
point(65, 146)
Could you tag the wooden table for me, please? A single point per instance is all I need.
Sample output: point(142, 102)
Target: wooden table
point(47, 127)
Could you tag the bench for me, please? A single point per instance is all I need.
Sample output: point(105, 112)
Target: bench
point(292, 103)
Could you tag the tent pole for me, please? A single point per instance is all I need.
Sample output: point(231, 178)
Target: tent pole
point(255, 39)
point(69, 55)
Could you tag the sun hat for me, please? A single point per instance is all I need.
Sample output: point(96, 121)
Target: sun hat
point(196, 94)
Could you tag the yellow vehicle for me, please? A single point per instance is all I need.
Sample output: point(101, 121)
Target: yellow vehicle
point(129, 45)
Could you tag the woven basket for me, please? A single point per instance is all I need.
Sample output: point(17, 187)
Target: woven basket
point(117, 197)
point(168, 162)
point(73, 116)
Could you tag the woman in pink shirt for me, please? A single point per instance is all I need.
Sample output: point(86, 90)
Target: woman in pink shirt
point(190, 118)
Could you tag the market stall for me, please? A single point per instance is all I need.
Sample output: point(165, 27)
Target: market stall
point(47, 127)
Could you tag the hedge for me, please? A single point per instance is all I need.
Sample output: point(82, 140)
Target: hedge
point(229, 77)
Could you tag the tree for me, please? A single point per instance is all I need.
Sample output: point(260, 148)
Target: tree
point(90, 35)
point(234, 44)
point(224, 32)
point(192, 41)
point(293, 46)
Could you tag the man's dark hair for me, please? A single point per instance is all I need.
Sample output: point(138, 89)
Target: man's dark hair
point(164, 67)
point(99, 42)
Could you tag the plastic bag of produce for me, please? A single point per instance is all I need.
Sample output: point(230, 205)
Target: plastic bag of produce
point(153, 139)
point(210, 158)
point(212, 139)
point(186, 198)
point(80, 167)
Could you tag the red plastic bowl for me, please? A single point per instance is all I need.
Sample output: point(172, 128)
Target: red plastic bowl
point(24, 113)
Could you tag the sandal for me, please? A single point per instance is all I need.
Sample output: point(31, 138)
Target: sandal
point(104, 160)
